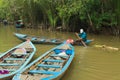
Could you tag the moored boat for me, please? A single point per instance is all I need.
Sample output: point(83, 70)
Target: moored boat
point(79, 43)
point(39, 40)
point(50, 66)
point(15, 59)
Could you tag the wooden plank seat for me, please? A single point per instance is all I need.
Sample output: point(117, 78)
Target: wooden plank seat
point(66, 51)
point(14, 59)
point(49, 66)
point(10, 70)
point(19, 54)
point(41, 72)
point(7, 64)
point(6, 71)
point(52, 60)
point(56, 55)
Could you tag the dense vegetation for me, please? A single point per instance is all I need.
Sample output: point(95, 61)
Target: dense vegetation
point(98, 16)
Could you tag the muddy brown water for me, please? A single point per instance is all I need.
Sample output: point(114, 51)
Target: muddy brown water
point(89, 63)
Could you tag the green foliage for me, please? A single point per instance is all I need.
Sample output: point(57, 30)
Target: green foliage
point(3, 9)
point(68, 9)
point(95, 13)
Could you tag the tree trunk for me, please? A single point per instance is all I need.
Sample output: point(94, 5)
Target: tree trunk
point(90, 22)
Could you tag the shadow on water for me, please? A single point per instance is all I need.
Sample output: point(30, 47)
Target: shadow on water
point(89, 63)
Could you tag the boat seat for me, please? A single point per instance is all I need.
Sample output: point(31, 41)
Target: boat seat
point(67, 51)
point(52, 60)
point(41, 72)
point(6, 71)
point(10, 70)
point(7, 64)
point(56, 55)
point(14, 59)
point(49, 66)
point(18, 54)
point(57, 51)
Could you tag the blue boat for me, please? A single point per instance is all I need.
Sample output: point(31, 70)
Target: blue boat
point(87, 42)
point(50, 66)
point(15, 59)
point(39, 40)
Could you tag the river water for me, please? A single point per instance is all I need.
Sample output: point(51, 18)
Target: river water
point(91, 63)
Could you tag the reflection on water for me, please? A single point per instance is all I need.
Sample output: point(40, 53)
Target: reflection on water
point(89, 63)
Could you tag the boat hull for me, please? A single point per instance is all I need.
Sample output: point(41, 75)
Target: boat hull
point(52, 65)
point(39, 40)
point(15, 59)
point(87, 42)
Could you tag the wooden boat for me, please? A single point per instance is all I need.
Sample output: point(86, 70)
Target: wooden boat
point(15, 59)
point(50, 66)
point(75, 42)
point(39, 40)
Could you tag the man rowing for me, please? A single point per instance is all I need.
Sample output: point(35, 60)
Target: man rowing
point(82, 35)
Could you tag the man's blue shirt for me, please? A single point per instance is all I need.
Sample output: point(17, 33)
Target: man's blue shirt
point(83, 36)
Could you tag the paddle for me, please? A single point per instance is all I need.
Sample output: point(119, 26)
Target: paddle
point(81, 40)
